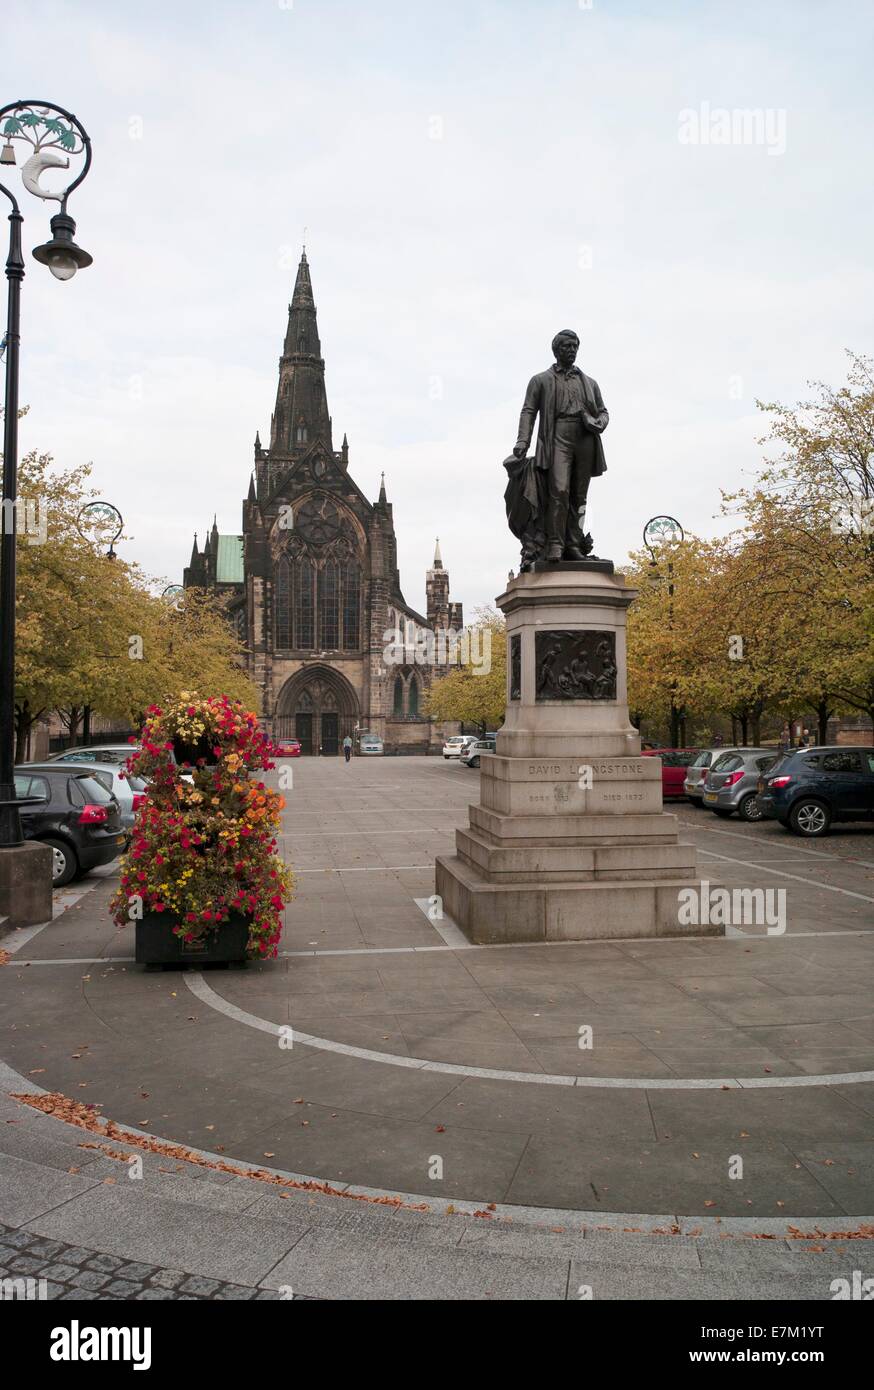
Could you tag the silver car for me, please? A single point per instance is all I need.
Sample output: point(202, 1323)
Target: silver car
point(696, 774)
point(116, 753)
point(471, 755)
point(732, 781)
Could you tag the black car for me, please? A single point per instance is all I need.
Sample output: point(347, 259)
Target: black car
point(77, 816)
point(808, 788)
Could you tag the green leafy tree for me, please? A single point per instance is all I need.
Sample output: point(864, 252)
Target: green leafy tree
point(475, 691)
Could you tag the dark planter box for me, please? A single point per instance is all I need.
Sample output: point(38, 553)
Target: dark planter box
point(156, 943)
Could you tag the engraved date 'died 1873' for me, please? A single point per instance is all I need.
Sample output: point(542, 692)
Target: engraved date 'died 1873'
point(575, 665)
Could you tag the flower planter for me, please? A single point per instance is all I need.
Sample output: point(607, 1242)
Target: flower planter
point(157, 944)
point(204, 839)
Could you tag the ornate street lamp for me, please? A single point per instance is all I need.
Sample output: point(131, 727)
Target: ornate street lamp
point(52, 137)
point(100, 522)
point(664, 532)
point(174, 595)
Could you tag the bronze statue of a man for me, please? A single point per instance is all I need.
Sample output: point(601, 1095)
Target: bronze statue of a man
point(569, 452)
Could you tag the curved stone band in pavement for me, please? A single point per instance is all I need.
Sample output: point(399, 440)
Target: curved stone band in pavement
point(201, 990)
point(187, 1232)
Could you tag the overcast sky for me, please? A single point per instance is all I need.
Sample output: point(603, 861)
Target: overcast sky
point(473, 176)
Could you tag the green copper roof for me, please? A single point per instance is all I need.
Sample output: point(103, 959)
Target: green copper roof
point(229, 560)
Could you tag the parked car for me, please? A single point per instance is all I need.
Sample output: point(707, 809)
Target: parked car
point(455, 746)
point(370, 743)
point(696, 775)
point(471, 755)
point(117, 753)
point(76, 816)
point(287, 748)
point(674, 764)
point(808, 788)
point(733, 781)
point(129, 791)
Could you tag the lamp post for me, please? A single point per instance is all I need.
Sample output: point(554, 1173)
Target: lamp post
point(100, 522)
point(666, 530)
point(44, 128)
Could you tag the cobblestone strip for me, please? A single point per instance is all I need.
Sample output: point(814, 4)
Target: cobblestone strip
point(71, 1272)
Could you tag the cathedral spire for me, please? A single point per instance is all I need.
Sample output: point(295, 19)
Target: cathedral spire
point(302, 335)
point(194, 550)
point(438, 562)
point(301, 416)
point(251, 487)
point(382, 496)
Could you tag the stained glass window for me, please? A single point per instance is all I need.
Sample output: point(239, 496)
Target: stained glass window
point(351, 606)
point(398, 706)
point(329, 605)
point(283, 602)
point(304, 611)
point(413, 700)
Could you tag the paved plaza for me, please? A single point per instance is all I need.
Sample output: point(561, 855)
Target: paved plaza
point(712, 1135)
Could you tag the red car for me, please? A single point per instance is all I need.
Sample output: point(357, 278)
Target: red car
point(675, 761)
point(287, 748)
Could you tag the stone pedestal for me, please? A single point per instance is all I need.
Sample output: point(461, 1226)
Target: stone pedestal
point(569, 841)
point(25, 884)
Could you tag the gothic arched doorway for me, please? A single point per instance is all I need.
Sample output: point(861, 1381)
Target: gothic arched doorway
point(319, 707)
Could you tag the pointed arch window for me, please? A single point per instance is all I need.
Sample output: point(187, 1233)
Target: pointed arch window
point(283, 602)
point(398, 705)
point(304, 604)
point(300, 433)
point(413, 699)
point(329, 605)
point(351, 581)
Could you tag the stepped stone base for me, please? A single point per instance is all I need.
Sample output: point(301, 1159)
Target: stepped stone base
point(569, 841)
point(490, 913)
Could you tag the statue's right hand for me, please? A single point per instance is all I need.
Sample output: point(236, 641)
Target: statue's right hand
point(520, 450)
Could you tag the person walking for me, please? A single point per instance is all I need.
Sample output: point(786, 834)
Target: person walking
point(347, 747)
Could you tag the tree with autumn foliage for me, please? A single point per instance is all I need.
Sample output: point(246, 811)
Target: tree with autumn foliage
point(91, 631)
point(474, 690)
point(668, 631)
point(809, 542)
point(776, 619)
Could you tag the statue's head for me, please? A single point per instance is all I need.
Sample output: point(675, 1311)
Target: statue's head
point(565, 346)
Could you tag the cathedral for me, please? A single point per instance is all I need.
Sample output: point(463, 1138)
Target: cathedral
point(312, 585)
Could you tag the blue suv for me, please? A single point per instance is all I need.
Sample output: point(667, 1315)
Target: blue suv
point(808, 788)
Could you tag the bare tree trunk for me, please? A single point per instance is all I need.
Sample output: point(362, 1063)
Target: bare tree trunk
point(73, 728)
point(23, 722)
point(822, 717)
